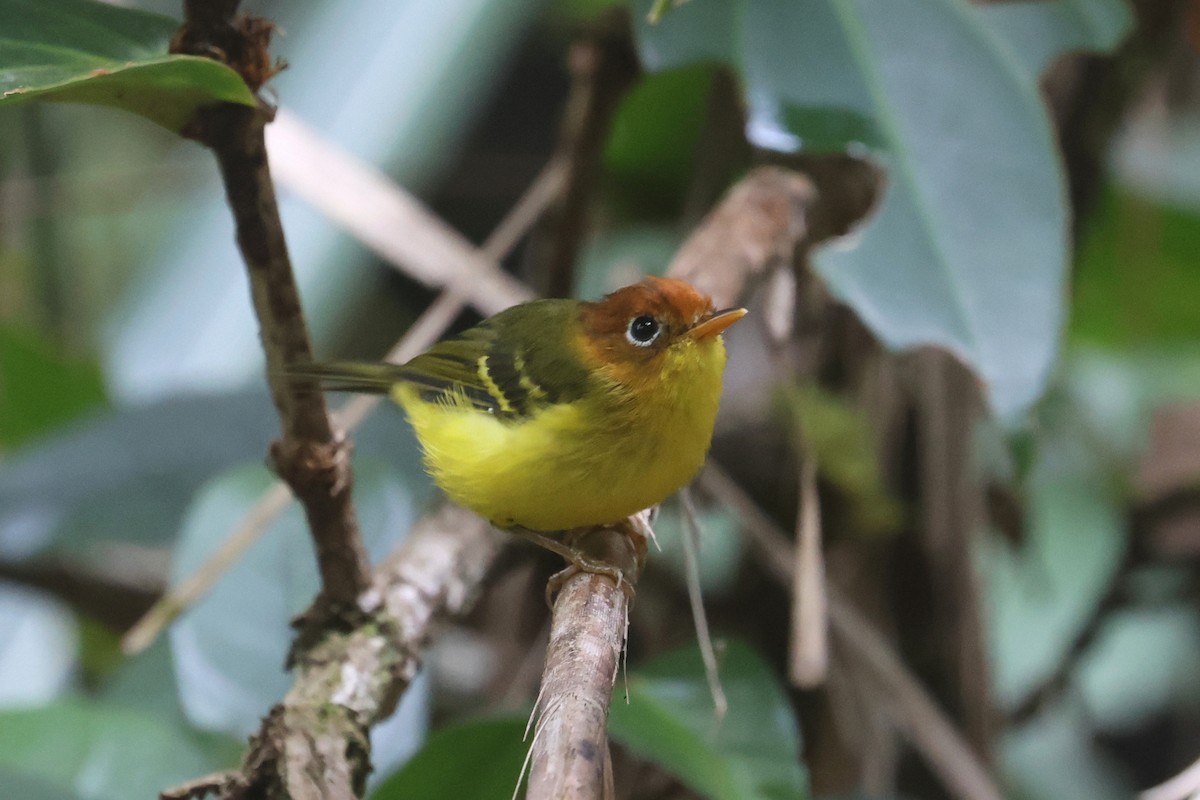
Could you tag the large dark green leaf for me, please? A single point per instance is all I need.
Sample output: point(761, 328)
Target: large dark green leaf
point(39, 388)
point(753, 755)
point(968, 247)
point(74, 749)
point(494, 749)
point(89, 52)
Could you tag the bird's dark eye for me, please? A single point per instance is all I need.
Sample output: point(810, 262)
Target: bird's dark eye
point(643, 330)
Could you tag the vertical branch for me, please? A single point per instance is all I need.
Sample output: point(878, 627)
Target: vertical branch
point(311, 454)
point(808, 662)
point(603, 66)
point(951, 504)
point(570, 755)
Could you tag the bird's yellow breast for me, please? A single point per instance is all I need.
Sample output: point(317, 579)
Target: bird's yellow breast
point(587, 462)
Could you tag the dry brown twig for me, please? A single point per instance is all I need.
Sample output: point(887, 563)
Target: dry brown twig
point(809, 662)
point(691, 561)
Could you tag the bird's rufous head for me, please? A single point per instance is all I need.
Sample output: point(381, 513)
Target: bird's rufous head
point(637, 324)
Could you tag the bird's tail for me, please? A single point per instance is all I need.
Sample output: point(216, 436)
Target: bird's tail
point(346, 376)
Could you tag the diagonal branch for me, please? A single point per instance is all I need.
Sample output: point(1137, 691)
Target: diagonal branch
point(315, 743)
point(908, 705)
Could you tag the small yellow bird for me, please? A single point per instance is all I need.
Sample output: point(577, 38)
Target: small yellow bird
point(560, 414)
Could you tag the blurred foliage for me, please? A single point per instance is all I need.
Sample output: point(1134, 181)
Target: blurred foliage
point(838, 435)
point(651, 150)
point(1137, 279)
point(40, 388)
point(90, 751)
point(668, 718)
point(495, 749)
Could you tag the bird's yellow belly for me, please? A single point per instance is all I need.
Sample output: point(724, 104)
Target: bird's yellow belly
point(569, 465)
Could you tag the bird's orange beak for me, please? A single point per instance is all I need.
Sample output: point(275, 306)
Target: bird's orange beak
point(719, 321)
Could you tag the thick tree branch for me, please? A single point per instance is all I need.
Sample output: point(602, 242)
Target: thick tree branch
point(757, 227)
point(570, 757)
point(315, 743)
point(311, 455)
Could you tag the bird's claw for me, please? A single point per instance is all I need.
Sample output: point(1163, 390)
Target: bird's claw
point(577, 562)
point(582, 564)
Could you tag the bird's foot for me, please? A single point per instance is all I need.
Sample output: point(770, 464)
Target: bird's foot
point(577, 561)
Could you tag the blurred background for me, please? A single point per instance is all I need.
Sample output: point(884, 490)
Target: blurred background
point(1028, 539)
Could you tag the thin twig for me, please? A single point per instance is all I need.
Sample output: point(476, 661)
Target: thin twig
point(691, 561)
point(177, 600)
point(912, 710)
point(390, 221)
point(809, 662)
point(311, 453)
point(421, 334)
point(603, 66)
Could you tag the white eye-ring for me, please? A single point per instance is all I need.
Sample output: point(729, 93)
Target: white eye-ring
point(642, 331)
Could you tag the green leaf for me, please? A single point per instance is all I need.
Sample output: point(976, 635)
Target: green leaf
point(651, 149)
point(1121, 687)
point(1039, 31)
point(82, 51)
point(1055, 756)
point(1040, 596)
point(754, 753)
point(1136, 280)
point(840, 436)
point(494, 748)
point(74, 749)
point(41, 389)
point(968, 247)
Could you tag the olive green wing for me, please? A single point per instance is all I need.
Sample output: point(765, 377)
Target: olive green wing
point(509, 365)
